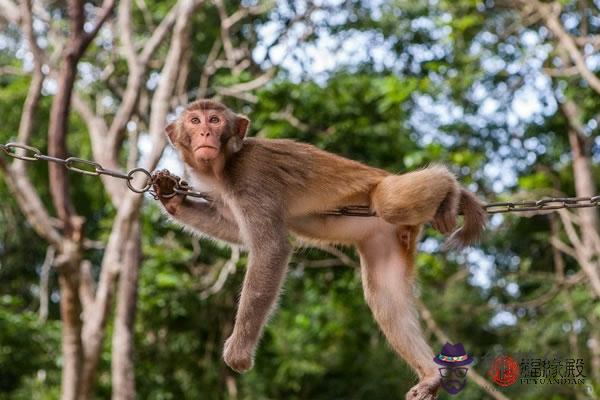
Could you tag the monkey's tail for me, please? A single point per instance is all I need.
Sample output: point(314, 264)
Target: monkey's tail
point(474, 216)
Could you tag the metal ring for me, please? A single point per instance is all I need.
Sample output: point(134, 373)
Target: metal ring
point(6, 148)
point(148, 181)
point(71, 160)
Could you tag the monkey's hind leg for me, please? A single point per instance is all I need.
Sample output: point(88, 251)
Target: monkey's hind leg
point(430, 194)
point(387, 268)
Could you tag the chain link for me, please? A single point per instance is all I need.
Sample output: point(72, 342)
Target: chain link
point(554, 203)
point(87, 167)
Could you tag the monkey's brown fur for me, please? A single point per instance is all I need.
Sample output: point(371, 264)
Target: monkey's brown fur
point(265, 189)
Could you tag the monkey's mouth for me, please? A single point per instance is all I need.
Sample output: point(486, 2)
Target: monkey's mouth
point(204, 146)
point(206, 152)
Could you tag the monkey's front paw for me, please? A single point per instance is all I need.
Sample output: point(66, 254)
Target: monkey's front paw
point(237, 357)
point(164, 184)
point(426, 389)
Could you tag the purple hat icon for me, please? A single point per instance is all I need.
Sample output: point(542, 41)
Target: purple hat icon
point(453, 355)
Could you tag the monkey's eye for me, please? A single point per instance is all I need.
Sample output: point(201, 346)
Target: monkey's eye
point(214, 120)
point(195, 120)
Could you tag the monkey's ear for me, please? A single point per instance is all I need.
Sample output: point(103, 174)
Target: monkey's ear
point(170, 131)
point(241, 125)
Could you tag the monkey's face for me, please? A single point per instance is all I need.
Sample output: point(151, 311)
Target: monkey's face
point(204, 130)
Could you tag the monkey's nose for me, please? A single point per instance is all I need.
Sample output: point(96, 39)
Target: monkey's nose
point(205, 134)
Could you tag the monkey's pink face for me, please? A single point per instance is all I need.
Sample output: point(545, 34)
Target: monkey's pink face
point(204, 130)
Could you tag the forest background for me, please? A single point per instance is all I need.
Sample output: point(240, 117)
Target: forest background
point(101, 296)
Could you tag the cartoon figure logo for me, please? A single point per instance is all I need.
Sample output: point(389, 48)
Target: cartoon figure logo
point(454, 360)
point(504, 371)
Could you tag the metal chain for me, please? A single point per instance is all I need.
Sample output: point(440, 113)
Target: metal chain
point(548, 204)
point(554, 203)
point(29, 153)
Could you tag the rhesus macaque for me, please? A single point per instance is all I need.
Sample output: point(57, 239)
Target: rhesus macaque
point(263, 189)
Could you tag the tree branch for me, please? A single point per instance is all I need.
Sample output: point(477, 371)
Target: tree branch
point(552, 21)
point(17, 179)
point(44, 279)
point(10, 11)
point(35, 88)
point(244, 12)
point(225, 36)
point(31, 205)
point(288, 116)
point(59, 113)
point(582, 252)
point(247, 86)
point(228, 269)
point(123, 372)
point(135, 79)
point(87, 286)
point(340, 255)
point(209, 69)
point(126, 36)
point(97, 128)
point(168, 80)
point(105, 11)
point(563, 247)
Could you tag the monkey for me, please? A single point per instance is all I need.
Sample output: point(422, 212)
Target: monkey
point(264, 190)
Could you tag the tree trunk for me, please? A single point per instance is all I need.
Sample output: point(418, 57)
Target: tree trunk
point(70, 310)
point(584, 182)
point(123, 373)
point(584, 187)
point(59, 186)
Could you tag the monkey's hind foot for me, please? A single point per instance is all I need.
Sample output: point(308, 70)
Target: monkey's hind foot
point(236, 356)
point(426, 389)
point(444, 219)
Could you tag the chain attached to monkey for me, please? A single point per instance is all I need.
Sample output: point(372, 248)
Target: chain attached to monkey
point(30, 153)
point(180, 186)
